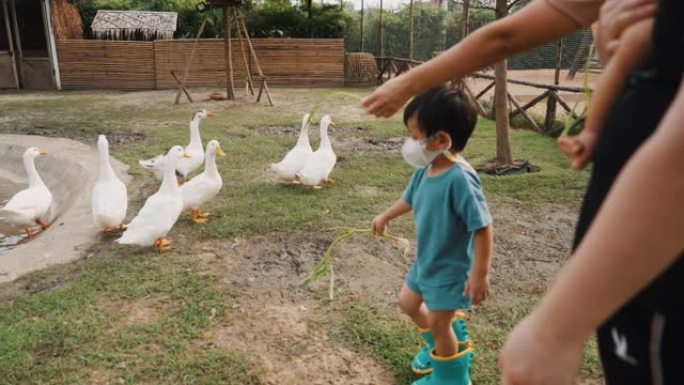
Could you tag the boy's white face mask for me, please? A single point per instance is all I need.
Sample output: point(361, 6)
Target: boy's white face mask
point(416, 155)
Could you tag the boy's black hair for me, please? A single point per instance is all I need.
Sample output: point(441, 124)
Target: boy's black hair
point(444, 109)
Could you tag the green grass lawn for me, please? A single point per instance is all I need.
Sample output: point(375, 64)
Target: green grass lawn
point(74, 329)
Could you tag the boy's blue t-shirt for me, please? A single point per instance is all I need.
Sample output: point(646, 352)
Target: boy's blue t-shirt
point(448, 208)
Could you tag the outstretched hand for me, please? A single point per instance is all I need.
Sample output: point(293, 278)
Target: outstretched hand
point(387, 99)
point(578, 148)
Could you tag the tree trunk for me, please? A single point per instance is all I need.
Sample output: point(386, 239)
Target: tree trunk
point(465, 22)
point(362, 12)
point(411, 30)
point(382, 33)
point(504, 155)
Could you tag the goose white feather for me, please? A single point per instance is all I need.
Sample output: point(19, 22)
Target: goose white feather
point(206, 185)
point(295, 160)
point(29, 207)
point(109, 197)
point(321, 163)
point(160, 211)
point(194, 149)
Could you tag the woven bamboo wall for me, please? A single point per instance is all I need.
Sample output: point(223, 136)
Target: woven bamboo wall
point(148, 65)
point(92, 64)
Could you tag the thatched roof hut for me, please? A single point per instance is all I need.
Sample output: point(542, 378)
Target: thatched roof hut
point(134, 25)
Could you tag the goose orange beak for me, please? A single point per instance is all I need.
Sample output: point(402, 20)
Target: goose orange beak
point(209, 113)
point(186, 155)
point(219, 151)
point(42, 152)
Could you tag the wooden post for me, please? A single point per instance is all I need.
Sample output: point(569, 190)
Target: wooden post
point(264, 86)
point(504, 155)
point(550, 117)
point(10, 44)
point(382, 33)
point(230, 87)
point(181, 85)
point(248, 72)
point(465, 22)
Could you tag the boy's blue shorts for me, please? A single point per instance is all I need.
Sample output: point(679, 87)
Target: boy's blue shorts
point(443, 297)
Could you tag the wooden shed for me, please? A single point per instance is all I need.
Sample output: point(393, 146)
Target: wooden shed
point(28, 56)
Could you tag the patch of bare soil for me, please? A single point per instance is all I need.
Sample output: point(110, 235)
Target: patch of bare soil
point(531, 244)
point(277, 321)
point(283, 324)
point(343, 138)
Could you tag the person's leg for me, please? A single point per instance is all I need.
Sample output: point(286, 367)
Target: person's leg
point(411, 303)
point(446, 344)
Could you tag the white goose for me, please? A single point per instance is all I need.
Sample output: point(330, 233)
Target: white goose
point(193, 149)
point(204, 186)
point(109, 198)
point(321, 163)
point(296, 159)
point(160, 211)
point(28, 207)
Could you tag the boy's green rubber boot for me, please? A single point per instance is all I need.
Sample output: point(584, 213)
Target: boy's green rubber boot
point(454, 370)
point(421, 363)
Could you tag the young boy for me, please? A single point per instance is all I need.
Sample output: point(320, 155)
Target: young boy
point(453, 229)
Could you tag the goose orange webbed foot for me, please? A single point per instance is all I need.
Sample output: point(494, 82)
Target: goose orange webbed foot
point(203, 214)
point(162, 244)
point(43, 225)
point(328, 181)
point(197, 217)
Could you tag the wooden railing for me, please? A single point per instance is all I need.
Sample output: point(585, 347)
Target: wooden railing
point(390, 67)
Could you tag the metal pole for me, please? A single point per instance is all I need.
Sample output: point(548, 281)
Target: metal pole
point(382, 34)
point(52, 47)
point(362, 11)
point(411, 30)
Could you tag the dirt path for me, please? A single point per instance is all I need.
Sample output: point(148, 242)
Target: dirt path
point(283, 325)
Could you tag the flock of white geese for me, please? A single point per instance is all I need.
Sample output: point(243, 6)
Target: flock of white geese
point(29, 208)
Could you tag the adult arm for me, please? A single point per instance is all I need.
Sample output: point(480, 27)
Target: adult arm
point(535, 24)
point(636, 236)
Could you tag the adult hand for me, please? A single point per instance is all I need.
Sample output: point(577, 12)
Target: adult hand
point(615, 16)
point(533, 356)
point(389, 97)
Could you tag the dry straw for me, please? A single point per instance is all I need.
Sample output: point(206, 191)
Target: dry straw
point(325, 265)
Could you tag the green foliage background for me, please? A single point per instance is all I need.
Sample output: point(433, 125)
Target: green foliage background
point(434, 29)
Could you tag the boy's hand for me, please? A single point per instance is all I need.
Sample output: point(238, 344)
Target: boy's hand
point(477, 288)
point(379, 224)
point(578, 148)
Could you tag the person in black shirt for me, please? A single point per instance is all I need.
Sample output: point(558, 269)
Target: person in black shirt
point(626, 277)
